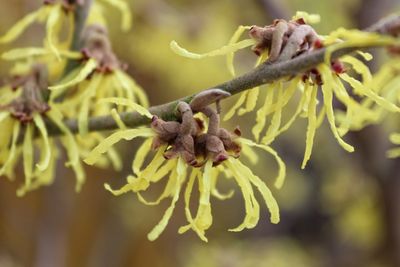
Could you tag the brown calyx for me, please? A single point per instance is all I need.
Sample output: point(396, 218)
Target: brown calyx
point(285, 40)
point(187, 137)
point(33, 85)
point(96, 44)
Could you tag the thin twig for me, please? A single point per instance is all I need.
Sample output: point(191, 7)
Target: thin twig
point(81, 13)
point(263, 74)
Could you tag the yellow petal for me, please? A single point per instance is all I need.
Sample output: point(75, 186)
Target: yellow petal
point(96, 15)
point(296, 114)
point(263, 111)
point(126, 15)
point(280, 179)
point(365, 90)
point(37, 118)
point(117, 118)
point(159, 228)
point(125, 90)
point(237, 105)
point(86, 102)
point(21, 25)
point(214, 190)
point(251, 101)
point(115, 159)
point(276, 119)
point(142, 182)
point(27, 148)
point(154, 165)
point(70, 145)
point(203, 218)
point(264, 190)
point(393, 153)
point(308, 18)
point(84, 72)
point(359, 67)
point(160, 173)
point(22, 53)
point(354, 38)
point(367, 56)
point(141, 155)
point(41, 178)
point(327, 92)
point(252, 94)
point(114, 138)
point(12, 150)
point(126, 102)
point(395, 138)
point(4, 115)
point(251, 205)
point(130, 85)
point(249, 153)
point(312, 126)
point(218, 52)
point(188, 214)
point(54, 21)
point(234, 39)
point(133, 184)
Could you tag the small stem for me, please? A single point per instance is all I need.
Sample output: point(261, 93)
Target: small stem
point(81, 13)
point(213, 116)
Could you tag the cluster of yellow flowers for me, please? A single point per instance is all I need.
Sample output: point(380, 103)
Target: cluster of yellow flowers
point(216, 149)
point(333, 78)
point(37, 95)
point(195, 148)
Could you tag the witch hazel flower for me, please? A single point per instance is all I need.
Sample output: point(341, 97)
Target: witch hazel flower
point(53, 14)
point(194, 149)
point(23, 112)
point(285, 40)
point(100, 78)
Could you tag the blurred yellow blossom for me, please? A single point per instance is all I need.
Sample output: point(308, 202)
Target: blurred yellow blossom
point(100, 76)
point(54, 15)
point(25, 113)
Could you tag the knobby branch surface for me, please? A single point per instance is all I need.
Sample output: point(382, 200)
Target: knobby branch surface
point(265, 73)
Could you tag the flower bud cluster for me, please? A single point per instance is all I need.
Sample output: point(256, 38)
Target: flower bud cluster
point(190, 139)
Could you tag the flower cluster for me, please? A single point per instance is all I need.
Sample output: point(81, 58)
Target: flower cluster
point(37, 96)
point(195, 148)
point(99, 78)
point(387, 82)
point(285, 40)
point(23, 110)
point(207, 152)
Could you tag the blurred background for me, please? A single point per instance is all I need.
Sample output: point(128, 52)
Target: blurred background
point(342, 210)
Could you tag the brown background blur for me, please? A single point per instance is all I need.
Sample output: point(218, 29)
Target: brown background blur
point(343, 210)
